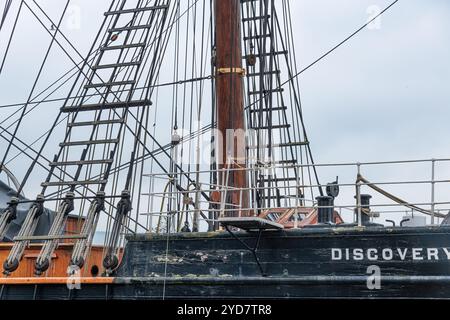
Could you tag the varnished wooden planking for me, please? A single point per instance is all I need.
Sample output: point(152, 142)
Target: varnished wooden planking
point(60, 260)
point(61, 257)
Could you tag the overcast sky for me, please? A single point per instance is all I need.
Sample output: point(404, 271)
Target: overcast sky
point(385, 95)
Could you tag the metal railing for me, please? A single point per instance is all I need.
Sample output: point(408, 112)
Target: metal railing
point(434, 208)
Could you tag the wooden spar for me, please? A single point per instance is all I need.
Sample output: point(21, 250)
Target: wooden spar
point(230, 103)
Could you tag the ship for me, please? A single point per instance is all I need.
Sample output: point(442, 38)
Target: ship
point(183, 138)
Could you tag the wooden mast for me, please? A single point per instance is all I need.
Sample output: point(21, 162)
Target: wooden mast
point(230, 102)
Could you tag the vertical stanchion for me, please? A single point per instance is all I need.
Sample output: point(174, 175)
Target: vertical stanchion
point(358, 197)
point(198, 188)
point(241, 206)
point(150, 203)
point(297, 201)
point(255, 192)
point(433, 185)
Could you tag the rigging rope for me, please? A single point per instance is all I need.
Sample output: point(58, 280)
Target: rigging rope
point(166, 84)
point(56, 122)
point(34, 87)
point(11, 37)
point(340, 44)
point(397, 199)
point(5, 13)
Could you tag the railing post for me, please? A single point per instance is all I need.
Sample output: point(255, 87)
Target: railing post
point(297, 201)
point(358, 197)
point(151, 203)
point(226, 174)
point(240, 203)
point(433, 186)
point(196, 225)
point(254, 193)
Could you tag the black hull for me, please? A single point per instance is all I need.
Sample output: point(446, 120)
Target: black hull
point(248, 288)
point(413, 263)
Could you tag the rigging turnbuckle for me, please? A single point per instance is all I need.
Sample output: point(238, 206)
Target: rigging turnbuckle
point(28, 228)
point(57, 229)
point(81, 248)
point(111, 260)
point(9, 215)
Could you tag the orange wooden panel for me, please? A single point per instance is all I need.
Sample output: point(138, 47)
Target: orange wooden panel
point(57, 280)
point(60, 261)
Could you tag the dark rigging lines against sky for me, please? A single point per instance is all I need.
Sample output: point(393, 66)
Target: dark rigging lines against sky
point(326, 54)
point(391, 59)
point(292, 77)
